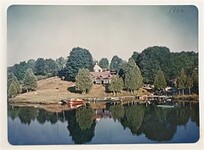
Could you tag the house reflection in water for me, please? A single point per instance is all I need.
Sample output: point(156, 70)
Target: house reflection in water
point(102, 113)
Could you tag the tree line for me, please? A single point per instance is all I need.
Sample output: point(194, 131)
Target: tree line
point(154, 65)
point(23, 77)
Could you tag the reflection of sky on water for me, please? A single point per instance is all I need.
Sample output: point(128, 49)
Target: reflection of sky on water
point(36, 133)
point(187, 133)
point(113, 131)
point(106, 131)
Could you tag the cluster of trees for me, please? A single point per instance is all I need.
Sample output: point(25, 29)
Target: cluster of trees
point(187, 81)
point(29, 83)
point(154, 65)
point(157, 58)
point(13, 86)
point(22, 77)
point(44, 67)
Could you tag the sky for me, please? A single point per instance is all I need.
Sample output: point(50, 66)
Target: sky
point(45, 31)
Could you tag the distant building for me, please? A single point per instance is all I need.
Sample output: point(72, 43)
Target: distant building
point(101, 77)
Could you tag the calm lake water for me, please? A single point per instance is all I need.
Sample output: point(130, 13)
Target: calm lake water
point(119, 124)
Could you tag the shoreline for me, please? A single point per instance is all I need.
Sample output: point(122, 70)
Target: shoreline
point(56, 107)
point(182, 98)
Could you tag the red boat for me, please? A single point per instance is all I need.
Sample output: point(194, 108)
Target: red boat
point(75, 101)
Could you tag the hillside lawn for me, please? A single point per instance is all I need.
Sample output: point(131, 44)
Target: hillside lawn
point(52, 90)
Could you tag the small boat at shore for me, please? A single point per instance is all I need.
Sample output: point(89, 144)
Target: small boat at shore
point(73, 101)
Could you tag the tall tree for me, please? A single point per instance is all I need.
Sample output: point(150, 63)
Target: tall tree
point(12, 90)
point(189, 83)
point(123, 70)
point(51, 67)
point(61, 62)
point(195, 79)
point(84, 81)
point(79, 58)
point(182, 80)
point(13, 79)
point(115, 63)
point(30, 80)
point(40, 66)
point(31, 64)
point(116, 85)
point(135, 56)
point(19, 70)
point(133, 77)
point(159, 81)
point(103, 63)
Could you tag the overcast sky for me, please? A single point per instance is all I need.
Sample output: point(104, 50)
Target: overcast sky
point(52, 31)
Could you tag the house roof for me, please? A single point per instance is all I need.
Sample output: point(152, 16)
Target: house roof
point(104, 74)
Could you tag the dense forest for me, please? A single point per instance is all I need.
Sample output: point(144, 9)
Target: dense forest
point(154, 65)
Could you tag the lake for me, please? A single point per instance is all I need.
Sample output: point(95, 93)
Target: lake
point(110, 124)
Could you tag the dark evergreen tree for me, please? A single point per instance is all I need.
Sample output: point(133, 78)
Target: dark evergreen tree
point(19, 70)
point(79, 58)
point(51, 67)
point(123, 70)
point(40, 66)
point(103, 63)
point(189, 83)
point(116, 63)
point(195, 80)
point(182, 80)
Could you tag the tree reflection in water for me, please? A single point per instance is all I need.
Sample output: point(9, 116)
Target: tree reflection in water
point(84, 116)
point(157, 124)
point(194, 113)
point(81, 133)
point(26, 114)
point(133, 118)
point(117, 111)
